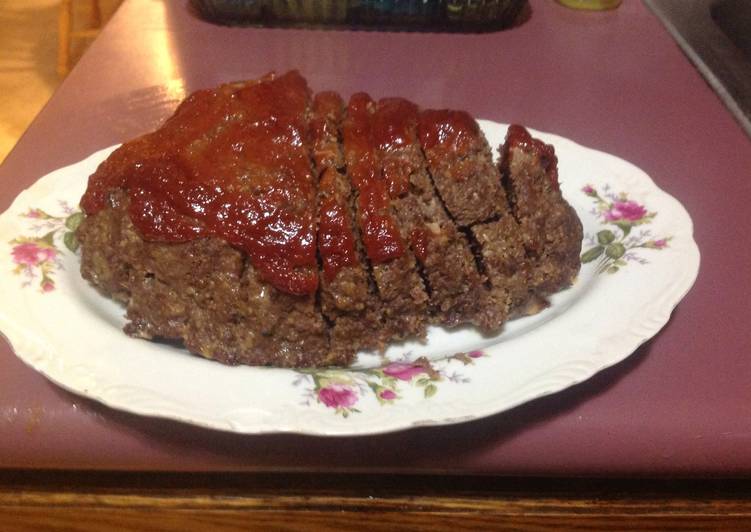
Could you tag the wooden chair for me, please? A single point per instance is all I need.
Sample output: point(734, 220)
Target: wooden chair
point(66, 33)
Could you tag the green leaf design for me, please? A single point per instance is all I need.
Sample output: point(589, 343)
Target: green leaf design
point(430, 390)
point(615, 251)
point(615, 245)
point(74, 220)
point(625, 227)
point(605, 237)
point(70, 241)
point(592, 254)
point(49, 238)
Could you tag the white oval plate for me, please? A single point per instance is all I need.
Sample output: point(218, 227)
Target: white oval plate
point(646, 260)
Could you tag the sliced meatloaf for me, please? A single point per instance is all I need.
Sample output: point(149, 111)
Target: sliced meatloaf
point(549, 228)
point(261, 225)
point(461, 165)
point(505, 263)
point(348, 298)
point(457, 290)
point(392, 263)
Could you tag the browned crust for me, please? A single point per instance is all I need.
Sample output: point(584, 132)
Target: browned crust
point(549, 228)
point(202, 292)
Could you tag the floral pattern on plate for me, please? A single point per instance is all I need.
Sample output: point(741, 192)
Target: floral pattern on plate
point(615, 249)
point(342, 389)
point(38, 257)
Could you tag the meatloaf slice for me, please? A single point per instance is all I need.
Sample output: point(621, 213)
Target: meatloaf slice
point(469, 183)
point(548, 226)
point(505, 263)
point(326, 117)
point(461, 166)
point(393, 266)
point(458, 294)
point(348, 298)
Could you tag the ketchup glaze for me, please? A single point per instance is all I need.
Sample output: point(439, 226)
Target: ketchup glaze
point(230, 163)
point(378, 229)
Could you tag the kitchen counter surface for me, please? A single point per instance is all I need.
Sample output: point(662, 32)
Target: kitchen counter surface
point(613, 81)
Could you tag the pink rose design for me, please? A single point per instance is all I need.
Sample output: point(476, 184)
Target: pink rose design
point(629, 211)
point(34, 213)
point(662, 243)
point(337, 396)
point(403, 371)
point(589, 190)
point(387, 395)
point(475, 354)
point(30, 254)
point(48, 285)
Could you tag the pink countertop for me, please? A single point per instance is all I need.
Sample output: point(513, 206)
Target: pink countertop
point(614, 81)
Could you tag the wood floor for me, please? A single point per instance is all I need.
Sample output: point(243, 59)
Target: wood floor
point(28, 56)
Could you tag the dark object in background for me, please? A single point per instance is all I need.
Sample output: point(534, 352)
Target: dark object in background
point(444, 15)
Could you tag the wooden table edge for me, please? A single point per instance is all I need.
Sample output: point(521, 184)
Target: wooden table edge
point(81, 500)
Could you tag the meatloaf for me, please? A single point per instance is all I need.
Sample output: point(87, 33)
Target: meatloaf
point(263, 224)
